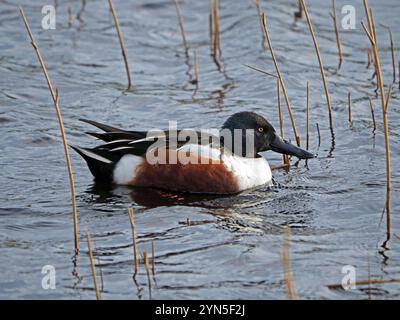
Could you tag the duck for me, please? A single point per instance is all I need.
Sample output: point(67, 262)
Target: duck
point(219, 161)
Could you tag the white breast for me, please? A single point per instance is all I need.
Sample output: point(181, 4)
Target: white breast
point(250, 172)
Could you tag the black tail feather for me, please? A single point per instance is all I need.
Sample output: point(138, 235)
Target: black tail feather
point(101, 170)
point(95, 134)
point(119, 135)
point(102, 126)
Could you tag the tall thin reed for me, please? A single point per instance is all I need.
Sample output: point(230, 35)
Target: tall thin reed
point(388, 97)
point(69, 11)
point(217, 44)
point(278, 90)
point(259, 13)
point(369, 58)
point(393, 55)
point(299, 14)
point(92, 266)
point(181, 27)
point(266, 33)
point(370, 37)
point(349, 103)
point(54, 95)
point(371, 32)
point(146, 263)
point(133, 229)
point(262, 71)
point(153, 257)
point(81, 10)
point(101, 275)
point(291, 292)
point(321, 66)
point(122, 43)
point(369, 280)
point(372, 113)
point(319, 134)
point(211, 26)
point(392, 49)
point(196, 68)
point(308, 116)
point(338, 42)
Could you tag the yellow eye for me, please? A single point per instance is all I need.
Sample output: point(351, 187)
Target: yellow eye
point(261, 129)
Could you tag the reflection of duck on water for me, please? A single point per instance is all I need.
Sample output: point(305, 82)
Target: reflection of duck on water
point(152, 198)
point(255, 211)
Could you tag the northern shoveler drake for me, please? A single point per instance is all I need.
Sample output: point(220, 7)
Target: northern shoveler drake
point(222, 162)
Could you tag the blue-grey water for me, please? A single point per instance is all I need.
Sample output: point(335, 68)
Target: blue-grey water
point(232, 247)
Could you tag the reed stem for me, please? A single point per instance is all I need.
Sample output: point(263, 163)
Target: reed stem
point(217, 49)
point(369, 58)
point(388, 97)
point(181, 27)
point(122, 43)
point(267, 37)
point(262, 71)
point(291, 293)
point(92, 266)
point(372, 33)
point(153, 257)
point(81, 10)
point(370, 37)
point(196, 68)
point(133, 229)
point(369, 280)
point(211, 26)
point(319, 134)
point(299, 14)
point(146, 263)
point(69, 11)
point(259, 13)
point(372, 113)
point(278, 89)
point(350, 105)
point(338, 42)
point(54, 95)
point(392, 49)
point(321, 66)
point(308, 116)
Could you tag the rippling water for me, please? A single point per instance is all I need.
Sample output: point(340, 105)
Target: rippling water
point(232, 247)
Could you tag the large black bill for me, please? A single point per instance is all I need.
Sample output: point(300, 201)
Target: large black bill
point(282, 146)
